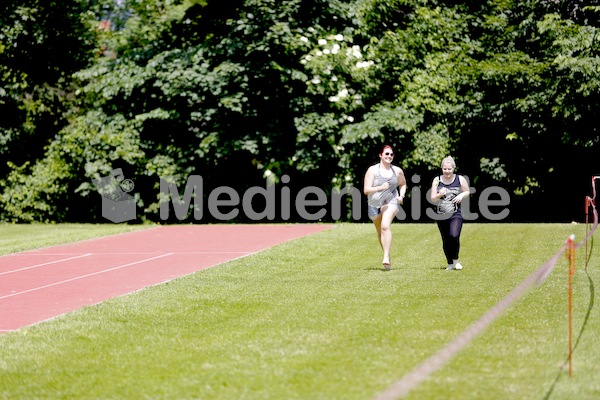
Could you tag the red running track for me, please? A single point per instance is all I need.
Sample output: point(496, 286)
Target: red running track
point(41, 284)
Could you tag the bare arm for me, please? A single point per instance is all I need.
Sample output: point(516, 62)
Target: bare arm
point(464, 190)
point(402, 187)
point(435, 194)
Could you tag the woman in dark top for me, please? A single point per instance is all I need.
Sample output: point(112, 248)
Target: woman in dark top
point(447, 191)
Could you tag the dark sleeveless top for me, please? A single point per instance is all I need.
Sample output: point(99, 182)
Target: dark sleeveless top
point(445, 205)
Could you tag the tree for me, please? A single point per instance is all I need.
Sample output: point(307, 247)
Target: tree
point(186, 87)
point(249, 90)
point(539, 95)
point(506, 87)
point(41, 44)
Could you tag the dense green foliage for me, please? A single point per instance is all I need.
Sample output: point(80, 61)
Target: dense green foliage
point(245, 91)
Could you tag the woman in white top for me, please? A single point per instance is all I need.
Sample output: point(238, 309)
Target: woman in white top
point(385, 187)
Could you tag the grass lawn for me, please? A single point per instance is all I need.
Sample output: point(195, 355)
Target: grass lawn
point(319, 318)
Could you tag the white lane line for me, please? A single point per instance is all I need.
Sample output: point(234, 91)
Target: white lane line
point(47, 263)
point(85, 276)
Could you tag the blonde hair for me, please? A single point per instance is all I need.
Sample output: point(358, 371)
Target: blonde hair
point(450, 160)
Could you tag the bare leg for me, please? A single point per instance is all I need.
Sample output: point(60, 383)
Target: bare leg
point(383, 240)
point(377, 223)
point(387, 216)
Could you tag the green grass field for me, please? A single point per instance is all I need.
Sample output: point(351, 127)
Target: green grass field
point(318, 318)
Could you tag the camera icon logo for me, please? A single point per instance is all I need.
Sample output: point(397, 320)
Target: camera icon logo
point(117, 204)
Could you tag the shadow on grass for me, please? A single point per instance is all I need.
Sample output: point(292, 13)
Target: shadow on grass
point(585, 321)
point(380, 269)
